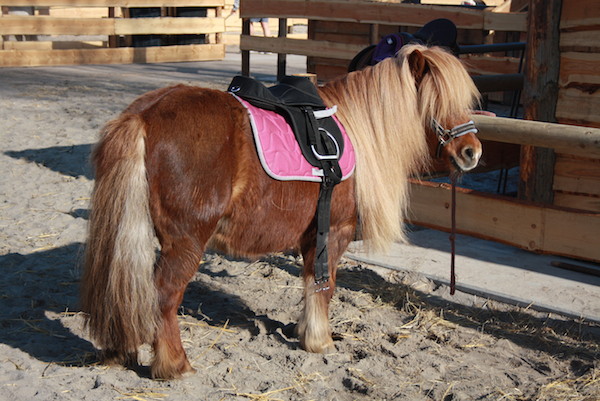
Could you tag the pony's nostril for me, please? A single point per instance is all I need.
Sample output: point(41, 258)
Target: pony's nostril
point(468, 153)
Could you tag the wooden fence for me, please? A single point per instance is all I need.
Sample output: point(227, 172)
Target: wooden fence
point(338, 30)
point(52, 40)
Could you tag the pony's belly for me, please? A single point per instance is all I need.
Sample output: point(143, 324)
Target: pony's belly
point(259, 234)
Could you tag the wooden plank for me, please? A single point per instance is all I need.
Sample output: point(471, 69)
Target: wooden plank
point(49, 45)
point(168, 25)
point(334, 62)
point(577, 175)
point(343, 38)
point(498, 82)
point(577, 201)
point(571, 139)
point(577, 14)
point(579, 68)
point(483, 65)
point(79, 12)
point(123, 55)
point(584, 41)
point(347, 28)
point(381, 13)
point(477, 214)
point(488, 3)
point(526, 225)
point(299, 46)
point(15, 25)
point(572, 234)
point(512, 22)
point(115, 3)
point(18, 25)
point(578, 105)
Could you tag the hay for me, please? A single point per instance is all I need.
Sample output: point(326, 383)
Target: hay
point(217, 338)
point(143, 394)
point(265, 396)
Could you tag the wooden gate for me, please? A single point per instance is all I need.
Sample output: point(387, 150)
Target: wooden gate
point(66, 32)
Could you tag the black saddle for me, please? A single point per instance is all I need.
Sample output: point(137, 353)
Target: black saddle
point(296, 99)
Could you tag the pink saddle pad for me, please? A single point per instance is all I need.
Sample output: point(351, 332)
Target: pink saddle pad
point(279, 152)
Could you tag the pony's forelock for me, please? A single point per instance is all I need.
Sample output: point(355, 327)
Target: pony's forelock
point(446, 91)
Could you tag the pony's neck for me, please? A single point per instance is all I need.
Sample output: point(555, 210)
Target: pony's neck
point(379, 109)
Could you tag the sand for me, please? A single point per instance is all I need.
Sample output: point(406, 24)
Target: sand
point(398, 336)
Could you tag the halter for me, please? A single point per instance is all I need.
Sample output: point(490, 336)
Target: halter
point(446, 136)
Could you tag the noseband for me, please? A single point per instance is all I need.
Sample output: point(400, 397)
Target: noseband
point(446, 136)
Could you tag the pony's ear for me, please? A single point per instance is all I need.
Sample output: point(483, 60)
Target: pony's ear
point(418, 65)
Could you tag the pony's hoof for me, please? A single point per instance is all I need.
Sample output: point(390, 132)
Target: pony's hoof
point(162, 372)
point(318, 347)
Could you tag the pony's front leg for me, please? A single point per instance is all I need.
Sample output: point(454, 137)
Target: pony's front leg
point(172, 275)
point(313, 326)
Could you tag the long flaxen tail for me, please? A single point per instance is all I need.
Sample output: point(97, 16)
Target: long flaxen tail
point(118, 292)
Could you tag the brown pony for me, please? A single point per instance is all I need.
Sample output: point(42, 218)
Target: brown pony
point(180, 165)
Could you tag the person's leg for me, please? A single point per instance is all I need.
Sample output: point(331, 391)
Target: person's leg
point(265, 26)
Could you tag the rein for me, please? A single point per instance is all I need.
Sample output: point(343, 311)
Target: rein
point(453, 236)
point(444, 137)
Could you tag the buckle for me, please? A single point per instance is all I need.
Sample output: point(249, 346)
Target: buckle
point(322, 285)
point(445, 137)
point(319, 156)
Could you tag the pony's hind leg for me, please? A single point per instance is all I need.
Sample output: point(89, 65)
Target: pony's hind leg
point(174, 270)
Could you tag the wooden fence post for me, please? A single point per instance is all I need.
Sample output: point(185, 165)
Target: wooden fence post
point(540, 96)
point(246, 53)
point(281, 57)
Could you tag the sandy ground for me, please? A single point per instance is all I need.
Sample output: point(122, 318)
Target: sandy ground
point(398, 335)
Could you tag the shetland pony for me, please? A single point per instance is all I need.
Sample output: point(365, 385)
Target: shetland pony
point(179, 164)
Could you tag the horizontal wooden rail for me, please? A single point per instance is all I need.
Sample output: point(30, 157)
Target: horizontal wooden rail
point(383, 13)
point(498, 82)
point(572, 139)
point(122, 55)
point(479, 64)
point(491, 48)
point(534, 227)
point(299, 46)
point(17, 25)
point(114, 3)
point(53, 45)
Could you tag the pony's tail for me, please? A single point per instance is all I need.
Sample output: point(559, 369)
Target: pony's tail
point(118, 292)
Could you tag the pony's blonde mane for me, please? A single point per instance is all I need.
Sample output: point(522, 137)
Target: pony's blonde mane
point(385, 110)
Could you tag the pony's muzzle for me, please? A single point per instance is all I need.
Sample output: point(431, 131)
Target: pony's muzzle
point(468, 158)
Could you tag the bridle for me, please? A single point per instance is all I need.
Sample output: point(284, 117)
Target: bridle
point(445, 136)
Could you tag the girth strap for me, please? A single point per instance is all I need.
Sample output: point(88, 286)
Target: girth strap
point(332, 175)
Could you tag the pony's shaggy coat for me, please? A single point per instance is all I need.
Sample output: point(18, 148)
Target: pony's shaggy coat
point(180, 164)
